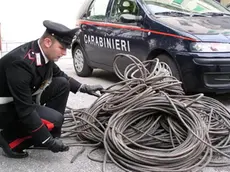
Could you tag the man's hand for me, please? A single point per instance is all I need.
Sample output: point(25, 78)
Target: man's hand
point(91, 89)
point(56, 145)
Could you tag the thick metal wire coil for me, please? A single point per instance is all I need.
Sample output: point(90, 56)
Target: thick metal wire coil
point(146, 122)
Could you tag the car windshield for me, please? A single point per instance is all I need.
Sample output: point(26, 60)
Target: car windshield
point(186, 7)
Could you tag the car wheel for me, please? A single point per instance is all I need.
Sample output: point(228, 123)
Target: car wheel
point(80, 64)
point(172, 65)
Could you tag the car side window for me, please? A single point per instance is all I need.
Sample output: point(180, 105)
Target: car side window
point(97, 10)
point(123, 7)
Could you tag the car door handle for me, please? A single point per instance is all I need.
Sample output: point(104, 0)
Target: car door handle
point(109, 32)
point(83, 27)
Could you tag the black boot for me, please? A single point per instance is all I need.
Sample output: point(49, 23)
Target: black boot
point(9, 152)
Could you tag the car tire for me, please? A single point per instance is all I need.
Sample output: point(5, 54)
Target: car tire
point(169, 61)
point(80, 64)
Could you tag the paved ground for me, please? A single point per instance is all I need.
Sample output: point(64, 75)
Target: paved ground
point(46, 161)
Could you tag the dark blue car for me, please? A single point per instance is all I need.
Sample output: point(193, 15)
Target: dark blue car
point(191, 36)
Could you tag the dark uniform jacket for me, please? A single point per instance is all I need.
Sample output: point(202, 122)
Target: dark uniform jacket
point(22, 72)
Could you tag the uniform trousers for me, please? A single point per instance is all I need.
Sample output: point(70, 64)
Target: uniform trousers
point(51, 111)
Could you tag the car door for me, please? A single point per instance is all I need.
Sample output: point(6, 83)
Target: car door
point(126, 36)
point(93, 31)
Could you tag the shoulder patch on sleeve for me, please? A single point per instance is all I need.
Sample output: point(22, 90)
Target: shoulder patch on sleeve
point(30, 56)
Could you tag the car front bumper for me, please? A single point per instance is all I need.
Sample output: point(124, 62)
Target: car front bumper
point(205, 72)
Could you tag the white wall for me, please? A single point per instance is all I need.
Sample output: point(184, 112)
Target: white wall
point(21, 20)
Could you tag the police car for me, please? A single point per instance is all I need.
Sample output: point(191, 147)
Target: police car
point(191, 36)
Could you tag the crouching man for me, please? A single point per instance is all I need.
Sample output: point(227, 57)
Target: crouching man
point(34, 93)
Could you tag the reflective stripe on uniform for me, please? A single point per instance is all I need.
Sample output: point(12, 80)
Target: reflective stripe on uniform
point(5, 100)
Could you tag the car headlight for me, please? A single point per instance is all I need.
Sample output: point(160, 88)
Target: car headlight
point(210, 47)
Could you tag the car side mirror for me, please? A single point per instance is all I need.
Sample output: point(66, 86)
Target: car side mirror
point(86, 14)
point(130, 18)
